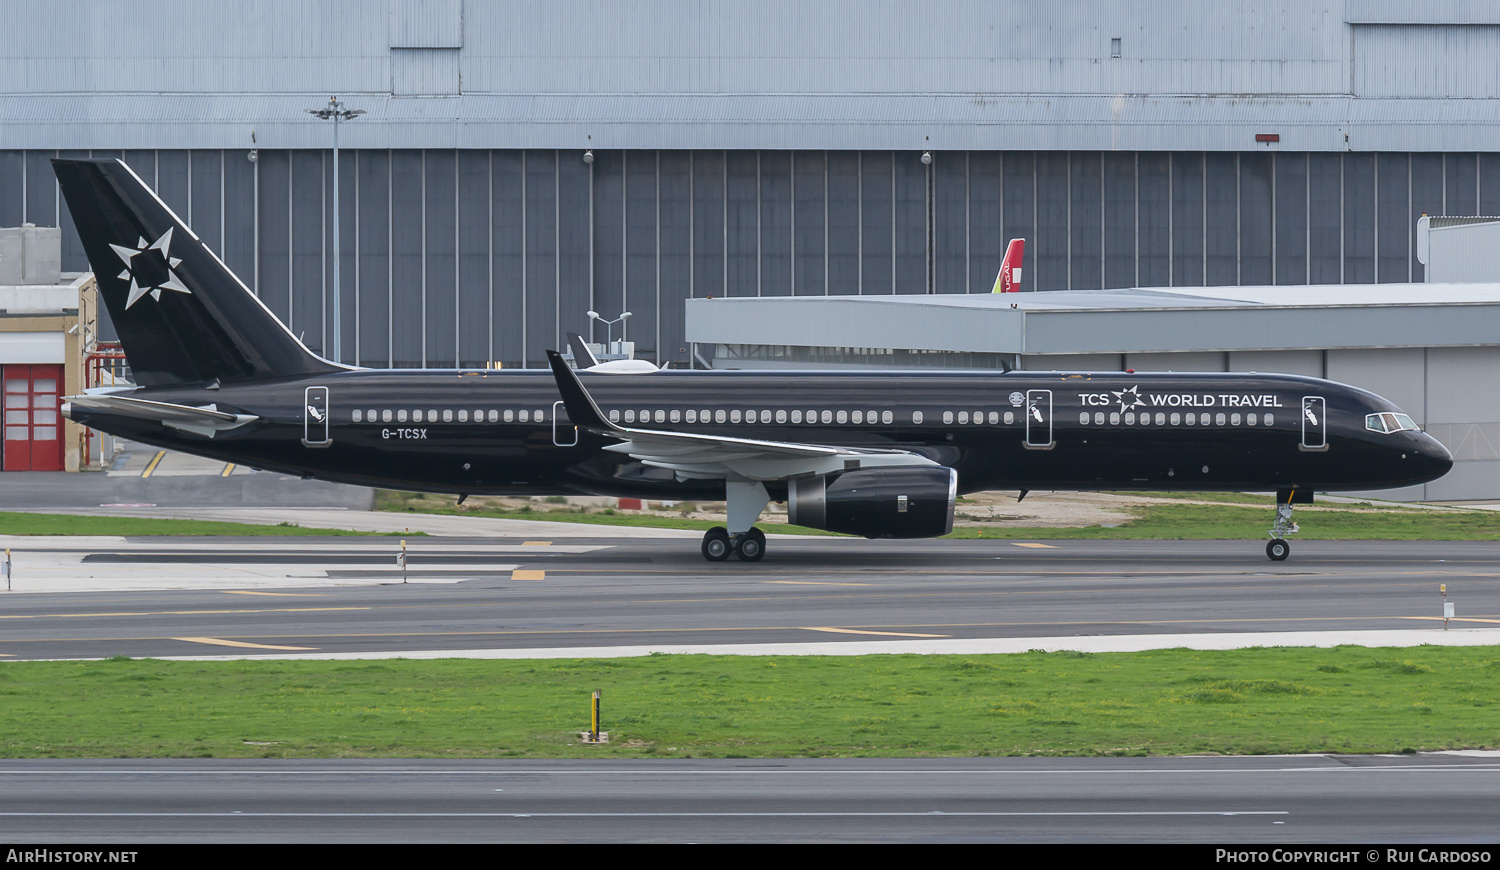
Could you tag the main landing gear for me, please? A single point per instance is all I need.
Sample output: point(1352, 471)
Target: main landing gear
point(718, 545)
point(1278, 548)
point(746, 500)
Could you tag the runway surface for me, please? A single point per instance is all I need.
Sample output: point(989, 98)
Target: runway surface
point(612, 596)
point(1429, 798)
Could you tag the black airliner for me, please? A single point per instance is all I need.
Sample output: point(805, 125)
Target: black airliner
point(882, 455)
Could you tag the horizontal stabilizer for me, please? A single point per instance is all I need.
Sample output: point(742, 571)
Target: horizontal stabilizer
point(206, 420)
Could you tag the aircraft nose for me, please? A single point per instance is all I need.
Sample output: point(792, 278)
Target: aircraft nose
point(1434, 457)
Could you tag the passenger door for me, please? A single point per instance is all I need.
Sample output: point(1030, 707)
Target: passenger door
point(315, 417)
point(1039, 420)
point(1314, 423)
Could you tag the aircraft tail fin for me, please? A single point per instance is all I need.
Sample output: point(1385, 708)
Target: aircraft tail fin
point(583, 358)
point(183, 317)
point(1009, 279)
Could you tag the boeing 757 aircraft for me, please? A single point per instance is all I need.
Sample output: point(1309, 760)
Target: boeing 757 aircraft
point(878, 454)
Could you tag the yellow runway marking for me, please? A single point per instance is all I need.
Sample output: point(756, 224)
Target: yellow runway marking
point(214, 641)
point(273, 594)
point(520, 574)
point(228, 470)
point(536, 543)
point(1454, 619)
point(151, 466)
point(1036, 546)
point(857, 631)
point(815, 583)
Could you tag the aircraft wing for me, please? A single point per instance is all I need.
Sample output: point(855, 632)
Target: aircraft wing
point(715, 457)
point(205, 420)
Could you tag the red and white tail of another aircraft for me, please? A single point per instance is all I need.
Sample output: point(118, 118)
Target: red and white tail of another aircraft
point(1009, 279)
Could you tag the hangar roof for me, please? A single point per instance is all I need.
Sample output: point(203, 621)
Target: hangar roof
point(1138, 320)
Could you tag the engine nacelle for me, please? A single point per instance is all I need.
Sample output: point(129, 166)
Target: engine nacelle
point(912, 502)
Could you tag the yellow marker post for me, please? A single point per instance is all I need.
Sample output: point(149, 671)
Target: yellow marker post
point(401, 560)
point(6, 566)
point(594, 735)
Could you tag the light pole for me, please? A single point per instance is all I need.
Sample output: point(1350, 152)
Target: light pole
point(609, 326)
point(337, 112)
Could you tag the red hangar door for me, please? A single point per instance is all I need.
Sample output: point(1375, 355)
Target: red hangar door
point(33, 426)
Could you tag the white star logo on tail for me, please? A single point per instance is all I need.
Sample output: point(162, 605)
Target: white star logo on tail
point(149, 268)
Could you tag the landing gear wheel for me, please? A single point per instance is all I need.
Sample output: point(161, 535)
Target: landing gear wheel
point(716, 544)
point(1278, 550)
point(752, 545)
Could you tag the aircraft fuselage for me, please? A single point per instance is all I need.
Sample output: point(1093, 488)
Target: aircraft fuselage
point(507, 432)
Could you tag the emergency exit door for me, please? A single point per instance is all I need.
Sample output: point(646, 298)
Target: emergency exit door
point(33, 422)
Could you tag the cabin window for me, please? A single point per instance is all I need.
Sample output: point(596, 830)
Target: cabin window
point(401, 416)
point(720, 416)
point(826, 416)
point(358, 414)
point(385, 416)
point(1218, 419)
point(1191, 419)
point(1010, 417)
point(1083, 418)
point(675, 416)
point(539, 415)
point(524, 416)
point(509, 415)
point(447, 415)
point(432, 416)
point(1114, 418)
point(994, 417)
point(1270, 420)
point(1098, 418)
point(963, 417)
point(947, 416)
point(781, 416)
point(494, 416)
point(479, 416)
point(463, 415)
point(843, 416)
point(614, 416)
point(886, 417)
point(1129, 418)
point(630, 416)
point(859, 416)
point(796, 416)
point(1204, 418)
point(916, 416)
point(1161, 419)
point(692, 416)
point(1234, 419)
point(734, 415)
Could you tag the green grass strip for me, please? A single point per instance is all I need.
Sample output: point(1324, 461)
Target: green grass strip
point(1172, 702)
point(14, 523)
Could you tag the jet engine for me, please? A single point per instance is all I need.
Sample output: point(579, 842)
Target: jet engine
point(914, 502)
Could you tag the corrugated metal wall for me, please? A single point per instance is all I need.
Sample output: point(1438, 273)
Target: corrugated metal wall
point(455, 257)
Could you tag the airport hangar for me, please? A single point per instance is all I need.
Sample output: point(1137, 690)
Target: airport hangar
point(520, 165)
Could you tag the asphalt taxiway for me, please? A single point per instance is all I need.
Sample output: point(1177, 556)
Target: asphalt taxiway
point(1428, 798)
point(515, 597)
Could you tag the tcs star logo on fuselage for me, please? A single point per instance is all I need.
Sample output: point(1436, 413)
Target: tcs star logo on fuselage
point(149, 267)
point(1128, 399)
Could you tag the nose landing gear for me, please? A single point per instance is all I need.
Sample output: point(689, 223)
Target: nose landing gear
point(1278, 548)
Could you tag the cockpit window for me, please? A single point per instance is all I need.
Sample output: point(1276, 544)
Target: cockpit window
point(1389, 422)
